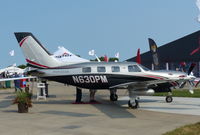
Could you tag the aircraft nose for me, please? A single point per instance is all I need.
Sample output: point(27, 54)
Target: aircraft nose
point(192, 77)
point(182, 76)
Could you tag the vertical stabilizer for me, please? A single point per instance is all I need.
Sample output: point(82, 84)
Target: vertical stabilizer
point(36, 55)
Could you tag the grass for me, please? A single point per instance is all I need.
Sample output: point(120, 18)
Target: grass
point(181, 93)
point(192, 129)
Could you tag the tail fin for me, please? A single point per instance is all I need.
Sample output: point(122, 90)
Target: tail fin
point(138, 58)
point(36, 55)
point(153, 49)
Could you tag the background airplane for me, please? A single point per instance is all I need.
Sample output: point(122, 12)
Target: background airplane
point(11, 71)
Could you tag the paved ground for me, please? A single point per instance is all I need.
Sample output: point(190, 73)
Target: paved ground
point(190, 106)
point(57, 116)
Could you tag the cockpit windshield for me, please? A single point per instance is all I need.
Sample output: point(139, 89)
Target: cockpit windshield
point(143, 67)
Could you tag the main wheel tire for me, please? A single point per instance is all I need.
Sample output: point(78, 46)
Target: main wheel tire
point(168, 99)
point(113, 97)
point(133, 105)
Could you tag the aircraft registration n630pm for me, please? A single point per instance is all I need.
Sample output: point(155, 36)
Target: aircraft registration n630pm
point(90, 79)
point(95, 75)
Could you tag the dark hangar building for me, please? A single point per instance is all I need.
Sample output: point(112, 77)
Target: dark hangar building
point(185, 49)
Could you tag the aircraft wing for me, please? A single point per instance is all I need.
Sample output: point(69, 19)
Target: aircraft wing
point(138, 85)
point(15, 78)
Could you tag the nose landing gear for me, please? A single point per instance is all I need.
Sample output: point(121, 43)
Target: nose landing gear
point(169, 99)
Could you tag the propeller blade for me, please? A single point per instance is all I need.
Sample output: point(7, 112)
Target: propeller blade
point(197, 83)
point(191, 68)
point(191, 91)
point(182, 84)
point(190, 87)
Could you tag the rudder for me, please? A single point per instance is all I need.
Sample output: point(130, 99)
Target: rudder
point(36, 55)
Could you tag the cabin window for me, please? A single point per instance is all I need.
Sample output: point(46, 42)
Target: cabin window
point(144, 68)
point(115, 69)
point(133, 68)
point(101, 69)
point(86, 69)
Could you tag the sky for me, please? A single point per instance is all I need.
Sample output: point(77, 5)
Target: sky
point(107, 26)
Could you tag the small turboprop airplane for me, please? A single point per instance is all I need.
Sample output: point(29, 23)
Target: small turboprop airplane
point(95, 75)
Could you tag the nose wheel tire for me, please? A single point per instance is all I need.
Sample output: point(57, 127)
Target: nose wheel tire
point(113, 97)
point(133, 104)
point(168, 99)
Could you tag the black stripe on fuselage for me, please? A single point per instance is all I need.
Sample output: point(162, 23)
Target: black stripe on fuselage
point(97, 81)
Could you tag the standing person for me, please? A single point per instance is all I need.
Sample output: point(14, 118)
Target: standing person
point(78, 95)
point(17, 83)
point(92, 96)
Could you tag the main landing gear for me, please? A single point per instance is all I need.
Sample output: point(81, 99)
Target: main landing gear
point(113, 95)
point(133, 104)
point(134, 100)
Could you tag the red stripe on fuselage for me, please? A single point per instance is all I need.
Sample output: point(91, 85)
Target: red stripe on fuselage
point(36, 64)
point(155, 77)
point(22, 41)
